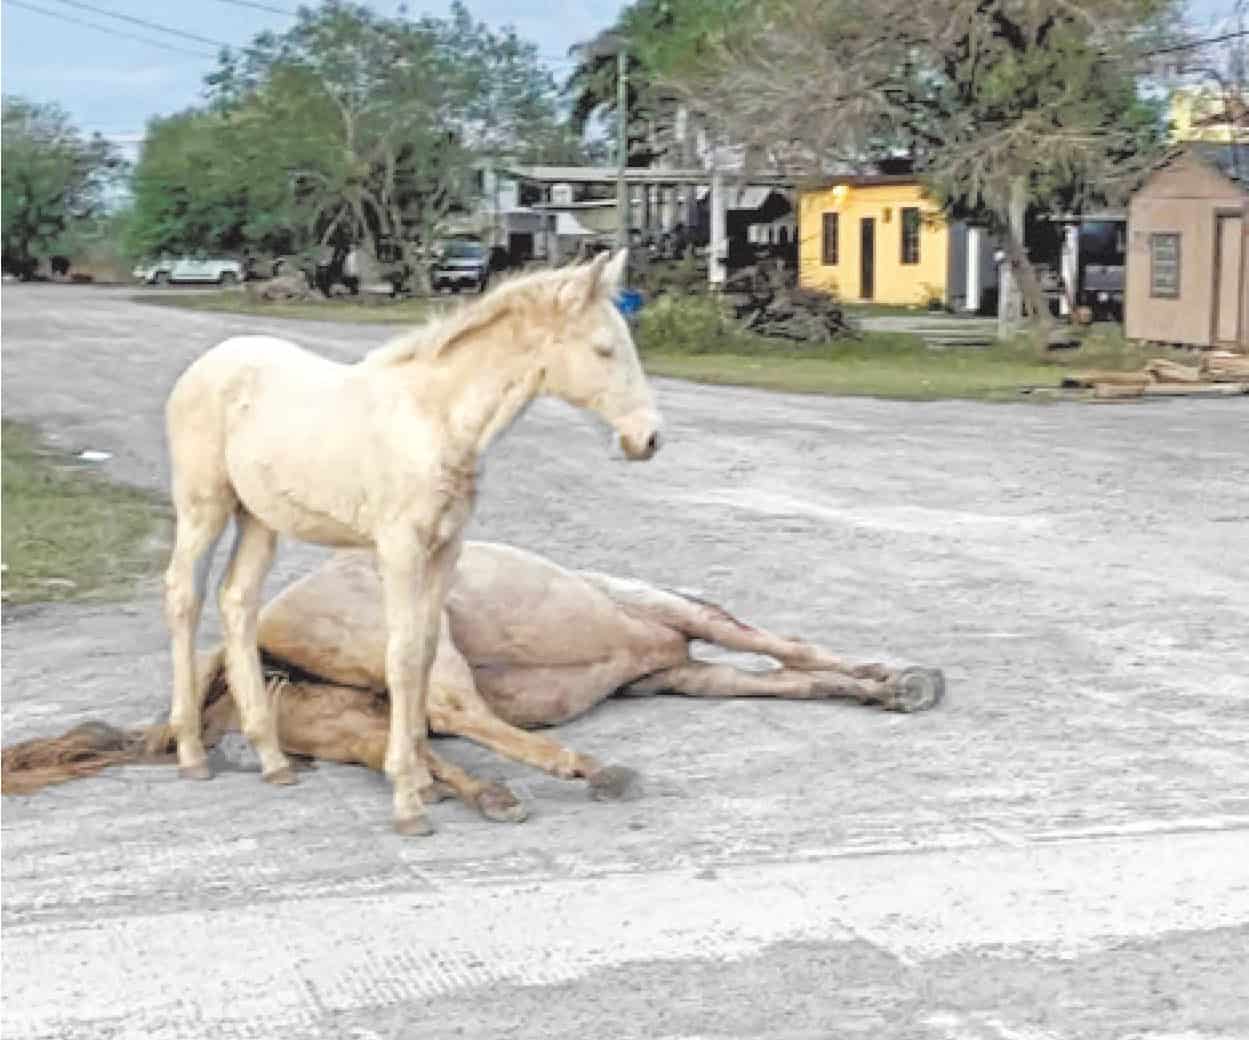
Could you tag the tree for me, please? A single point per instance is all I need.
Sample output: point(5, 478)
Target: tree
point(652, 34)
point(53, 176)
point(1001, 103)
point(349, 127)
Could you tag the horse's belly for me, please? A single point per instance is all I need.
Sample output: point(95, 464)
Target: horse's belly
point(538, 696)
point(268, 495)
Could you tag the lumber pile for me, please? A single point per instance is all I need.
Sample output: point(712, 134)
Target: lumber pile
point(1219, 373)
point(766, 301)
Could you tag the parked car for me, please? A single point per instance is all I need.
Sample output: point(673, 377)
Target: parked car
point(463, 262)
point(221, 270)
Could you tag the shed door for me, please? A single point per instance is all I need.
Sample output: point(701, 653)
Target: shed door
point(1228, 262)
point(867, 258)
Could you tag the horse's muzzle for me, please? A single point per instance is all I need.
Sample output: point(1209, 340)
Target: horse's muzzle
point(638, 450)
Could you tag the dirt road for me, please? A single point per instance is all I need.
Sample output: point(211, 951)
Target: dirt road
point(1059, 852)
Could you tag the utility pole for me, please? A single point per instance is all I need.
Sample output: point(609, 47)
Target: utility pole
point(622, 146)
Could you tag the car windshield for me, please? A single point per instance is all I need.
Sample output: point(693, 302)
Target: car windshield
point(464, 251)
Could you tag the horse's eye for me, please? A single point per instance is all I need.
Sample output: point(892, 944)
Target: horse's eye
point(604, 349)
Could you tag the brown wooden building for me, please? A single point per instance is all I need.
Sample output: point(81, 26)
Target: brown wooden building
point(1187, 278)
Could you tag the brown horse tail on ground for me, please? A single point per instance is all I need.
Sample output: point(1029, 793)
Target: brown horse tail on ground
point(93, 746)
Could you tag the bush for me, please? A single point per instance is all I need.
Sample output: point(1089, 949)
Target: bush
point(691, 325)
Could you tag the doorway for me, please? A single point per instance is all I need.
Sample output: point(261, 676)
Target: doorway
point(1228, 277)
point(867, 258)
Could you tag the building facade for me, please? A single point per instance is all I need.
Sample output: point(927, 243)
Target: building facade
point(882, 239)
point(1188, 252)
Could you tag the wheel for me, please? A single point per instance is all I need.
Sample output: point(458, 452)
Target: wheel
point(160, 278)
point(227, 279)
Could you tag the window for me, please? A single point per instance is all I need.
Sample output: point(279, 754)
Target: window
point(830, 239)
point(1164, 265)
point(910, 235)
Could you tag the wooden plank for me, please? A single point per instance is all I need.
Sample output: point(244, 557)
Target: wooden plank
point(1170, 372)
point(1195, 389)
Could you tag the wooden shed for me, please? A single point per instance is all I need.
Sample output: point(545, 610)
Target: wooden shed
point(1187, 278)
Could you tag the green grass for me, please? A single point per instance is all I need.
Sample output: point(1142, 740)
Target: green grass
point(692, 338)
point(380, 310)
point(68, 533)
point(902, 367)
point(878, 365)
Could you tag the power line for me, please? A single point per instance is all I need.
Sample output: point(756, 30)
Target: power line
point(261, 7)
point(143, 22)
point(1194, 44)
point(108, 29)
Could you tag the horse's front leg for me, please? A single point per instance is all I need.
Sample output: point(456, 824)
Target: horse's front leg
point(414, 583)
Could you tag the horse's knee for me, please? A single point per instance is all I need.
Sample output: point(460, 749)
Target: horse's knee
point(181, 598)
point(237, 606)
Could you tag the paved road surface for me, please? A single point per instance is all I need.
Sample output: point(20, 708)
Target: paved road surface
point(1060, 852)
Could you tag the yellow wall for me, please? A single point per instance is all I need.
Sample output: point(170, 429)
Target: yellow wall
point(896, 282)
point(1203, 115)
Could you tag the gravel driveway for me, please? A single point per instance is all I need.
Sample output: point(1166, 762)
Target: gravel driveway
point(1060, 851)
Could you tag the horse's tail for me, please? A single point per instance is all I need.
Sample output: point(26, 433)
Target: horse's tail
point(82, 751)
point(93, 746)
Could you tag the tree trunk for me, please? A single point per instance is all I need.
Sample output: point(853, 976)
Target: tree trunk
point(1022, 287)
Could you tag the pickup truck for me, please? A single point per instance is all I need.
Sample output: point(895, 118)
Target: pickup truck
point(462, 263)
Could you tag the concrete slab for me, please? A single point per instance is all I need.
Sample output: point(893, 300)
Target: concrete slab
point(1058, 852)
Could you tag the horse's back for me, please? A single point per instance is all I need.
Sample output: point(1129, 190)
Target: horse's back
point(244, 357)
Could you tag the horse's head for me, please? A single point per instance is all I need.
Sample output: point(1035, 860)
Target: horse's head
point(591, 360)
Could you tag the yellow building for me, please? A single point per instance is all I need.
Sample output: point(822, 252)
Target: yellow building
point(1204, 114)
point(881, 238)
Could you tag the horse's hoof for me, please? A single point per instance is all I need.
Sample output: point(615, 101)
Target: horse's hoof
point(413, 826)
point(199, 771)
point(916, 689)
point(283, 776)
point(498, 803)
point(612, 783)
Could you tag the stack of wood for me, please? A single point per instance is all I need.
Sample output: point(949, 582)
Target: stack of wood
point(1219, 373)
point(767, 302)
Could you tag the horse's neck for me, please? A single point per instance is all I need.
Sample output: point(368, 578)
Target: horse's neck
point(486, 383)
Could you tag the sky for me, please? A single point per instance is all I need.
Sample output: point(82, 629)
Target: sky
point(112, 84)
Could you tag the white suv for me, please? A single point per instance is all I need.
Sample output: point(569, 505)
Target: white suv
point(221, 270)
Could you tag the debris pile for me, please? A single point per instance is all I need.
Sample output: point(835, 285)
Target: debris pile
point(768, 303)
point(292, 286)
point(1219, 373)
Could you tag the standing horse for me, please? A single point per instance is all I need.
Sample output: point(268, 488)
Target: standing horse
point(381, 454)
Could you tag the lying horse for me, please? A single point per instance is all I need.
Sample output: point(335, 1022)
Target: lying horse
point(525, 643)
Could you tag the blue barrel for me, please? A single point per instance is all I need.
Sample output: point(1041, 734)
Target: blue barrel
point(629, 302)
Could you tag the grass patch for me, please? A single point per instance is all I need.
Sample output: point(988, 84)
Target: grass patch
point(381, 310)
point(693, 338)
point(879, 365)
point(68, 533)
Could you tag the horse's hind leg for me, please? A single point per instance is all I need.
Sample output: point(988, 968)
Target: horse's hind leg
point(912, 689)
point(200, 521)
point(239, 600)
point(698, 619)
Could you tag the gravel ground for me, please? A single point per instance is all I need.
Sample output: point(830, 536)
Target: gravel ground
point(1057, 852)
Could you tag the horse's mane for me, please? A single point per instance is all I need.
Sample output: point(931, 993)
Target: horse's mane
point(438, 334)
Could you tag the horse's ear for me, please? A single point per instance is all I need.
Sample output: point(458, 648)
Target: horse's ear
point(612, 277)
point(584, 283)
